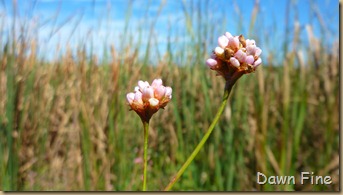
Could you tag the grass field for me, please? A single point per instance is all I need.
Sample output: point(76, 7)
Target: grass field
point(65, 124)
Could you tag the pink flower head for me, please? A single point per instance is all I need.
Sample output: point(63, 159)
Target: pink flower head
point(138, 160)
point(234, 54)
point(148, 99)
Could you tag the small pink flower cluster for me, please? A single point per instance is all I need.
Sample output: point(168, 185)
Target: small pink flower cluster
point(146, 100)
point(233, 54)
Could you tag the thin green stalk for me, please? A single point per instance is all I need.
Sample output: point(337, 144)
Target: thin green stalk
point(226, 95)
point(146, 135)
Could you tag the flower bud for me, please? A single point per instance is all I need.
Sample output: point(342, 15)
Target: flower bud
point(142, 85)
point(240, 55)
point(249, 59)
point(257, 62)
point(168, 93)
point(148, 92)
point(258, 51)
point(250, 42)
point(234, 43)
point(138, 98)
point(223, 41)
point(156, 83)
point(219, 51)
point(228, 35)
point(253, 50)
point(130, 97)
point(234, 62)
point(160, 92)
point(136, 88)
point(211, 63)
point(153, 102)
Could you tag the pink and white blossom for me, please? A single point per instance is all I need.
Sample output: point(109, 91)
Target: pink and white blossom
point(148, 99)
point(234, 54)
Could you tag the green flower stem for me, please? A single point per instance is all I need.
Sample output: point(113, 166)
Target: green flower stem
point(146, 135)
point(227, 91)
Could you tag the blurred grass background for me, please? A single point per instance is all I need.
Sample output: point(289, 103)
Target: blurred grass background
point(65, 125)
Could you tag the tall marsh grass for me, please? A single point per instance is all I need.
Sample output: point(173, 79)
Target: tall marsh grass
point(65, 125)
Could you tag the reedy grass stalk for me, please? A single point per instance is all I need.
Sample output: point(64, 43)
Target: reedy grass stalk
point(227, 91)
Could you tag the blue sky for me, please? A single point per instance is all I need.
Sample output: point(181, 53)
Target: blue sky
point(102, 22)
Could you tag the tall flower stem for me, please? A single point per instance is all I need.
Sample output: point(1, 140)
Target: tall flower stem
point(228, 87)
point(146, 135)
